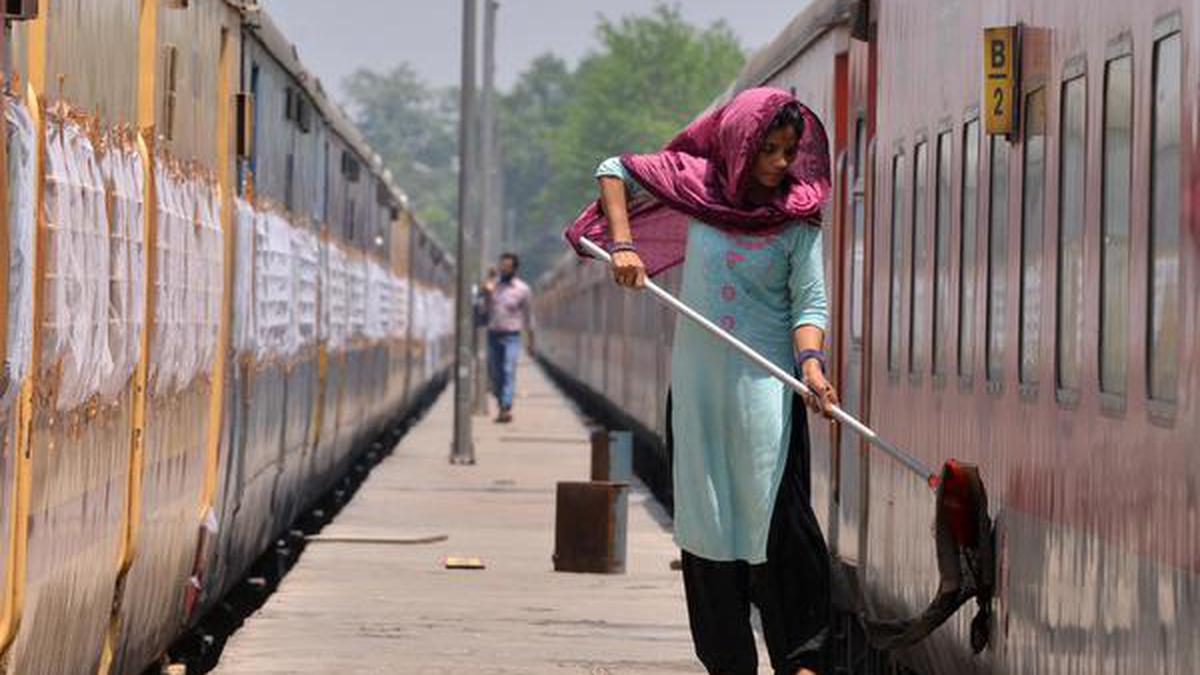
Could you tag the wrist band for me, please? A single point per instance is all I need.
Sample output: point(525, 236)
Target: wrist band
point(806, 354)
point(617, 246)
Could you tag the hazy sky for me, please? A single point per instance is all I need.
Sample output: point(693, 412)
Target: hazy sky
point(335, 38)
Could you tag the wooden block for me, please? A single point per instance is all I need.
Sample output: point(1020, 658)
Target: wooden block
point(463, 563)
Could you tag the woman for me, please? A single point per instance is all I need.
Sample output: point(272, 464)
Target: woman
point(736, 197)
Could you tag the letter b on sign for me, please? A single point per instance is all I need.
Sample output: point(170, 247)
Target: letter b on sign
point(998, 53)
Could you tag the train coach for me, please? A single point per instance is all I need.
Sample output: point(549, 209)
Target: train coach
point(215, 296)
point(1022, 299)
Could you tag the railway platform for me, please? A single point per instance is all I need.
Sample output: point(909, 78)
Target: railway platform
point(383, 607)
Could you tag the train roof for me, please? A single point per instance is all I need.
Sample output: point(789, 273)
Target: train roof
point(284, 51)
point(259, 22)
point(816, 19)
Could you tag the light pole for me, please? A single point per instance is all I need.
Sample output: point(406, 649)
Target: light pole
point(488, 156)
point(462, 450)
point(485, 178)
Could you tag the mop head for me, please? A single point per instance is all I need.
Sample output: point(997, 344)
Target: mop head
point(966, 564)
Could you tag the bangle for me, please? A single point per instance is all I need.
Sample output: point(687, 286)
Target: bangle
point(806, 354)
point(616, 246)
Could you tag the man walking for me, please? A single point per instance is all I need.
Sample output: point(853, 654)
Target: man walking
point(508, 301)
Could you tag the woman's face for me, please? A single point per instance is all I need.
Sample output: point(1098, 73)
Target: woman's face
point(775, 156)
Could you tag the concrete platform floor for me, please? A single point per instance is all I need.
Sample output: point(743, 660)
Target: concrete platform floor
point(392, 608)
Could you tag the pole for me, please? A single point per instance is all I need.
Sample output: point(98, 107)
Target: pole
point(487, 145)
point(485, 179)
point(462, 451)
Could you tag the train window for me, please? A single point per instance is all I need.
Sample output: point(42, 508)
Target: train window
point(20, 10)
point(997, 298)
point(253, 121)
point(170, 81)
point(1072, 166)
point(1033, 191)
point(1114, 249)
point(289, 182)
point(303, 115)
point(896, 262)
point(321, 206)
point(941, 255)
point(966, 251)
point(350, 166)
point(918, 282)
point(244, 103)
point(858, 213)
point(860, 149)
point(1164, 325)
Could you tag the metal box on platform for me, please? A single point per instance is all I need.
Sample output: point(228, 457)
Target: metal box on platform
point(589, 527)
point(612, 455)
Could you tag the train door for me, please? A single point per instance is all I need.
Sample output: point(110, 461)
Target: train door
point(851, 321)
point(823, 461)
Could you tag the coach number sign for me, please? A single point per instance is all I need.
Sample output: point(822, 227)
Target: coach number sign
point(1000, 60)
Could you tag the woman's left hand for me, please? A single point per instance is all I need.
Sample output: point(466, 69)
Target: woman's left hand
point(823, 396)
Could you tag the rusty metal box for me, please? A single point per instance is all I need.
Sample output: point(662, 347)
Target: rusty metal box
point(589, 527)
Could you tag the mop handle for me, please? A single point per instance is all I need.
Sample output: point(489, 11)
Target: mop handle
point(908, 461)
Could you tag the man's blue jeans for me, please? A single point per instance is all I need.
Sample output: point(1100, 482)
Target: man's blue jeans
point(503, 349)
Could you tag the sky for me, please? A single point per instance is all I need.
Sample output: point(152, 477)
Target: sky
point(336, 38)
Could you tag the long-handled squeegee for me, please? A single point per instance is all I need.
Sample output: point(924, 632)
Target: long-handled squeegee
point(906, 460)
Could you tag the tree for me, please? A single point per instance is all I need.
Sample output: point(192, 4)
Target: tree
point(528, 118)
point(651, 75)
point(414, 128)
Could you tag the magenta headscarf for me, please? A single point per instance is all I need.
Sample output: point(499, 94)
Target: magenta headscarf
point(704, 172)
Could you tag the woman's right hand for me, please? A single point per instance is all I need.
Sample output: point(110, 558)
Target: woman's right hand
point(628, 269)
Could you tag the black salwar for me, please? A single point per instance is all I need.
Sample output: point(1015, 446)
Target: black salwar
point(791, 589)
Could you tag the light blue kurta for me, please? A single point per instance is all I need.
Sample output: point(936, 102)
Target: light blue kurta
point(731, 420)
